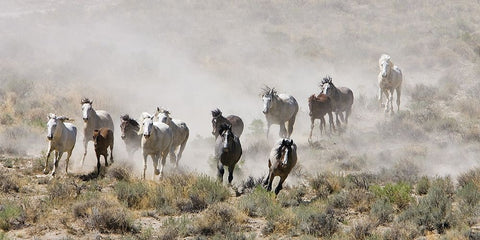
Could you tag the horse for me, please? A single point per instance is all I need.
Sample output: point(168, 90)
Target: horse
point(319, 106)
point(156, 142)
point(102, 140)
point(342, 99)
point(282, 159)
point(234, 120)
point(228, 151)
point(180, 133)
point(389, 79)
point(130, 136)
point(279, 109)
point(93, 120)
point(61, 138)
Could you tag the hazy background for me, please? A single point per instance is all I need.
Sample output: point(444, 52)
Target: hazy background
point(194, 56)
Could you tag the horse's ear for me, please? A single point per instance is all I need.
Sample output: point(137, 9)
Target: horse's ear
point(291, 141)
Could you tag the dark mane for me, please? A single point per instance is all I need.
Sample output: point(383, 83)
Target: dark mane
point(225, 127)
point(285, 144)
point(267, 90)
point(216, 113)
point(86, 100)
point(132, 121)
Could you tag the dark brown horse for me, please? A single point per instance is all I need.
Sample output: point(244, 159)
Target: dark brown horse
point(234, 121)
point(102, 140)
point(283, 158)
point(228, 151)
point(319, 106)
point(342, 99)
point(130, 135)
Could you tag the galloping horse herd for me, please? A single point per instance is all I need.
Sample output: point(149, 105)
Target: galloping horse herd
point(159, 136)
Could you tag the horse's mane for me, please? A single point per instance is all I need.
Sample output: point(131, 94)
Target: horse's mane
point(86, 100)
point(225, 127)
point(132, 121)
point(267, 90)
point(216, 113)
point(285, 144)
point(387, 58)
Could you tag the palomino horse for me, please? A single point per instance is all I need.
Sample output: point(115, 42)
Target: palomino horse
point(93, 120)
point(228, 151)
point(279, 109)
point(389, 79)
point(130, 134)
point(234, 120)
point(342, 98)
point(180, 133)
point(61, 138)
point(319, 106)
point(283, 158)
point(156, 142)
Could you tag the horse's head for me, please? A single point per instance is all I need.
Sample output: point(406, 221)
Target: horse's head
point(147, 126)
point(128, 126)
point(163, 115)
point(227, 136)
point(96, 132)
point(385, 65)
point(284, 150)
point(51, 125)
point(216, 114)
point(86, 108)
point(268, 97)
point(327, 85)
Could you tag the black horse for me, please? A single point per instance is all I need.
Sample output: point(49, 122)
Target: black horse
point(228, 151)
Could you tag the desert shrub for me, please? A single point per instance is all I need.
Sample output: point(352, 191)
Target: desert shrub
point(401, 124)
point(175, 228)
point(360, 199)
point(360, 180)
point(434, 211)
point(468, 199)
point(316, 222)
point(134, 194)
point(12, 215)
point(325, 184)
point(402, 171)
point(397, 194)
point(401, 231)
point(119, 173)
point(339, 200)
point(260, 203)
point(250, 184)
point(422, 186)
point(422, 92)
point(382, 210)
point(219, 217)
point(105, 215)
point(283, 224)
point(469, 177)
point(59, 190)
point(361, 230)
point(292, 197)
point(8, 183)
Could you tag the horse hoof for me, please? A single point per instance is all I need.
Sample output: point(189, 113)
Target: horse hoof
point(157, 172)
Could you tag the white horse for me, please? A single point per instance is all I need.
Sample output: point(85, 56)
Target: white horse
point(389, 79)
point(61, 138)
point(180, 133)
point(156, 142)
point(279, 109)
point(94, 119)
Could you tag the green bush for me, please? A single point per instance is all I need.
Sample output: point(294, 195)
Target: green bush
point(325, 184)
point(11, 216)
point(434, 211)
point(397, 194)
point(133, 194)
point(219, 217)
point(292, 197)
point(313, 221)
point(260, 203)
point(382, 210)
point(423, 185)
point(471, 176)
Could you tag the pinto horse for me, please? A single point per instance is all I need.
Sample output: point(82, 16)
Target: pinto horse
point(283, 158)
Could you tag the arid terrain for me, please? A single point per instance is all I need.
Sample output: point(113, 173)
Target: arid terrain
point(410, 175)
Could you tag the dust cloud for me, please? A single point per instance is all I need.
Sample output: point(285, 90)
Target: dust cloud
point(194, 56)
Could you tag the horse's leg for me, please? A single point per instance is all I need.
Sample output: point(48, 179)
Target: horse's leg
point(98, 163)
point(283, 130)
point(347, 114)
point(391, 100)
point(342, 118)
point(230, 173)
point(182, 147)
point(173, 156)
point(162, 165)
point(58, 156)
point(312, 124)
point(69, 154)
point(399, 93)
point(221, 171)
point(111, 152)
point(45, 171)
point(385, 91)
point(85, 145)
point(144, 164)
point(291, 122)
point(330, 120)
point(380, 95)
point(322, 125)
point(270, 180)
point(280, 185)
point(268, 128)
point(338, 121)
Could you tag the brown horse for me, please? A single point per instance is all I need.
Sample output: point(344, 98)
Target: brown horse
point(319, 106)
point(217, 120)
point(283, 158)
point(102, 140)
